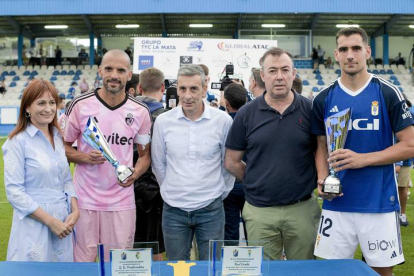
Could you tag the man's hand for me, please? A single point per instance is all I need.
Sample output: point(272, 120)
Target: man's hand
point(326, 195)
point(95, 157)
point(343, 159)
point(130, 180)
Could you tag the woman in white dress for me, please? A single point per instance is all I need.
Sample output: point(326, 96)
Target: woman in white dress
point(38, 181)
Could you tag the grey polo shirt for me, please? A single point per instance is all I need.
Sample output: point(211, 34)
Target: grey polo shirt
point(279, 151)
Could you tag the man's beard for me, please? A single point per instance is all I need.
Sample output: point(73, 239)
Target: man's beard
point(115, 89)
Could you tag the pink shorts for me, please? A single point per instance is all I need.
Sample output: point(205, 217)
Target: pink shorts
point(112, 228)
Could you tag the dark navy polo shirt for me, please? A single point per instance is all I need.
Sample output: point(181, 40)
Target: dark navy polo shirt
point(279, 151)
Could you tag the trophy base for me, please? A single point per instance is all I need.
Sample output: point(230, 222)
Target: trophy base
point(123, 172)
point(332, 185)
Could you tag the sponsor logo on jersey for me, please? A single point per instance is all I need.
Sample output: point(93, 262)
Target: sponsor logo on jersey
point(334, 109)
point(394, 255)
point(382, 245)
point(374, 108)
point(406, 109)
point(129, 120)
point(364, 124)
point(115, 139)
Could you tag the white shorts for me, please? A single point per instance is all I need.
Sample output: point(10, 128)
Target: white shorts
point(377, 234)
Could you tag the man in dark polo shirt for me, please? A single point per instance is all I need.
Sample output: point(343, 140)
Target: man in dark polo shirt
point(279, 176)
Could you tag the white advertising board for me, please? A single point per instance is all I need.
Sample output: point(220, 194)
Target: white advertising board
point(167, 54)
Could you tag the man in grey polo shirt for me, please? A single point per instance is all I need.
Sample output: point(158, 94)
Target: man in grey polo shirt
point(280, 175)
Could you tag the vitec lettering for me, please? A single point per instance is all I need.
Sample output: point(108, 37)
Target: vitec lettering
point(115, 139)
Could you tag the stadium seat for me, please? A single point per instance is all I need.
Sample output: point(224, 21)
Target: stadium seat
point(305, 82)
point(13, 84)
point(382, 72)
point(76, 77)
point(63, 73)
point(71, 73)
point(315, 89)
point(318, 77)
point(78, 72)
point(400, 88)
point(53, 78)
point(393, 78)
point(390, 72)
point(16, 78)
point(5, 73)
point(56, 73)
point(375, 71)
point(26, 73)
point(34, 73)
point(12, 73)
point(321, 82)
point(396, 82)
point(316, 71)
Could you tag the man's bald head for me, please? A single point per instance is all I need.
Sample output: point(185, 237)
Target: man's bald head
point(117, 53)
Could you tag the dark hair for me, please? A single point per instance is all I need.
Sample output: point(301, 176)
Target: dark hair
point(34, 90)
point(297, 85)
point(151, 80)
point(132, 83)
point(257, 78)
point(236, 95)
point(274, 51)
point(351, 31)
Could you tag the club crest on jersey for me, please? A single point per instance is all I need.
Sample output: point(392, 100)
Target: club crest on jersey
point(129, 120)
point(374, 108)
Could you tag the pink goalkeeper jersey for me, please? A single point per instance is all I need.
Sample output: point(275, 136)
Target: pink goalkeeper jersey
point(122, 126)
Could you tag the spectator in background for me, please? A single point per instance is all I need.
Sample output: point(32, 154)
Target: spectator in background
point(329, 64)
point(97, 83)
point(58, 56)
point(234, 98)
point(61, 104)
point(209, 96)
point(399, 60)
point(82, 56)
point(147, 190)
point(404, 181)
point(2, 88)
point(321, 54)
point(132, 86)
point(187, 159)
point(256, 85)
point(315, 58)
point(84, 86)
point(42, 53)
point(72, 89)
point(38, 181)
point(297, 85)
point(129, 53)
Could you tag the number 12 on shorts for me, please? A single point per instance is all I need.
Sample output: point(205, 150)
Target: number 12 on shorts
point(325, 225)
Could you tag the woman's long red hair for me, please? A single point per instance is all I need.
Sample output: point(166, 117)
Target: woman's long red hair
point(33, 91)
